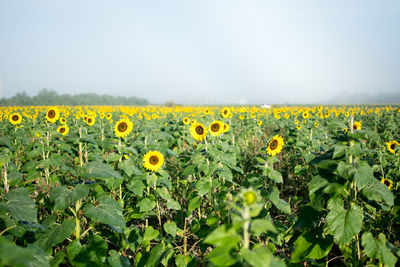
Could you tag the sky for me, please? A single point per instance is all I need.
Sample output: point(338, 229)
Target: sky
point(201, 51)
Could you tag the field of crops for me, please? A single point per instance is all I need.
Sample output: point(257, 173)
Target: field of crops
point(208, 186)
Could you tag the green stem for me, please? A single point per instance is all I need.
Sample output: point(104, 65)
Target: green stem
point(246, 235)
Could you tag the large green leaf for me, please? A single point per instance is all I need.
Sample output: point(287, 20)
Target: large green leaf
point(345, 224)
point(56, 234)
point(13, 255)
point(146, 205)
point(311, 246)
point(92, 254)
point(116, 260)
point(377, 249)
point(378, 192)
point(363, 176)
point(203, 186)
point(280, 204)
point(64, 197)
point(97, 169)
point(223, 237)
point(107, 212)
point(20, 205)
point(261, 256)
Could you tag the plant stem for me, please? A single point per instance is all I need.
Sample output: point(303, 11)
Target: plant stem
point(246, 235)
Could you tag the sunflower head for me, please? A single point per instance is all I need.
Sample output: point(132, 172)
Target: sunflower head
point(64, 129)
point(357, 125)
point(90, 120)
point(15, 118)
point(198, 131)
point(241, 117)
point(52, 115)
point(63, 120)
point(153, 160)
point(259, 123)
point(123, 128)
point(249, 196)
point(316, 124)
point(298, 126)
point(387, 182)
point(391, 146)
point(275, 145)
point(225, 112)
point(108, 116)
point(186, 120)
point(216, 128)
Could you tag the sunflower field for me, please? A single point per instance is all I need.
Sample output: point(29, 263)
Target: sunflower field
point(199, 186)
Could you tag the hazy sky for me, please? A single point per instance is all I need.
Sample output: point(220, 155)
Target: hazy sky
point(226, 51)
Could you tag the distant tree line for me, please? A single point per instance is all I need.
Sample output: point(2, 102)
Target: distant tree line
point(51, 97)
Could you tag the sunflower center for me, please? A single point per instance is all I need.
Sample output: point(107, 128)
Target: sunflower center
point(51, 114)
point(392, 146)
point(153, 160)
point(225, 112)
point(199, 130)
point(62, 130)
point(15, 118)
point(122, 127)
point(273, 145)
point(387, 183)
point(215, 127)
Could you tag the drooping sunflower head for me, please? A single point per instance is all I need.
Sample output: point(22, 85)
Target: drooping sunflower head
point(226, 128)
point(275, 145)
point(216, 128)
point(357, 125)
point(198, 131)
point(186, 120)
point(391, 146)
point(153, 160)
point(64, 129)
point(15, 118)
point(387, 182)
point(52, 115)
point(123, 127)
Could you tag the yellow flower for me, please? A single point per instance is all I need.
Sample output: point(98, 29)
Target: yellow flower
point(52, 115)
point(226, 128)
point(216, 128)
point(108, 116)
point(306, 115)
point(186, 120)
point(198, 131)
point(387, 182)
point(63, 120)
point(64, 129)
point(357, 125)
point(123, 127)
point(316, 124)
point(225, 112)
point(15, 118)
point(391, 145)
point(298, 126)
point(241, 117)
point(90, 121)
point(275, 145)
point(153, 160)
point(250, 197)
point(259, 123)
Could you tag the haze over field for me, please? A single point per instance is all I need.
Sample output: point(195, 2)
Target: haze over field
point(199, 52)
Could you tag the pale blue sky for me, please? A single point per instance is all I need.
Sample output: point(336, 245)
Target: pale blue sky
point(231, 51)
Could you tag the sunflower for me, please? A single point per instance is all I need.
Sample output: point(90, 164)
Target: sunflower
point(153, 160)
point(298, 126)
point(123, 127)
point(259, 123)
point(316, 124)
point(63, 120)
point(102, 115)
point(357, 125)
point(108, 116)
point(90, 120)
point(216, 128)
point(206, 111)
point(275, 145)
point(15, 118)
point(249, 196)
point(387, 182)
point(391, 145)
point(225, 112)
point(226, 128)
point(52, 115)
point(306, 115)
point(198, 131)
point(241, 117)
point(186, 120)
point(64, 129)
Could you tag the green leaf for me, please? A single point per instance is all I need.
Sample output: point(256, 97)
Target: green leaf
point(150, 234)
point(128, 166)
point(280, 204)
point(346, 170)
point(220, 256)
point(20, 205)
point(92, 254)
point(261, 256)
point(311, 246)
point(155, 256)
point(56, 234)
point(345, 224)
point(107, 212)
point(194, 203)
point(146, 205)
point(171, 228)
point(378, 192)
point(96, 169)
point(136, 186)
point(183, 260)
point(377, 249)
point(190, 169)
point(64, 197)
point(173, 205)
point(261, 226)
point(224, 237)
point(363, 176)
point(203, 186)
point(116, 260)
point(16, 256)
point(339, 151)
point(275, 176)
